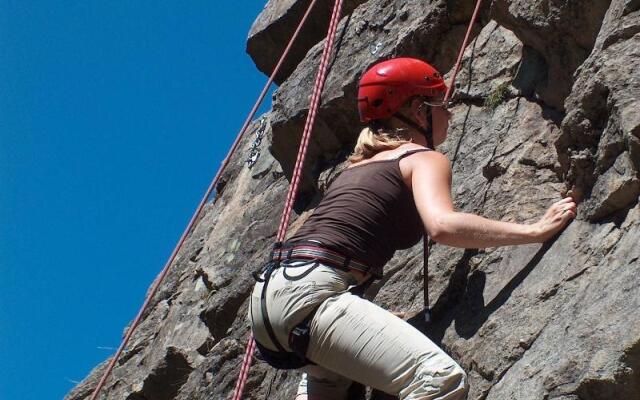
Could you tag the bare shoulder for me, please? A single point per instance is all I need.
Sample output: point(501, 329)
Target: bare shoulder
point(425, 163)
point(428, 159)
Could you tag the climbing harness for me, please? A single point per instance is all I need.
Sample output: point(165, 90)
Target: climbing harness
point(284, 256)
point(313, 250)
point(196, 215)
point(299, 336)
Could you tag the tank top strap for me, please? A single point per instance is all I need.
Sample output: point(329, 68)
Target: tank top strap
point(410, 152)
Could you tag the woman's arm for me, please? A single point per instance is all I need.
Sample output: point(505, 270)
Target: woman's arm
point(431, 185)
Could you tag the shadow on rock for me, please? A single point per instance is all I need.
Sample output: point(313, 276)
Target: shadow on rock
point(462, 302)
point(470, 314)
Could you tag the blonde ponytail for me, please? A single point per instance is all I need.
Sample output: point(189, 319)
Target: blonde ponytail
point(372, 142)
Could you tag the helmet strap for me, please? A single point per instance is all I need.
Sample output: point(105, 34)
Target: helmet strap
point(427, 133)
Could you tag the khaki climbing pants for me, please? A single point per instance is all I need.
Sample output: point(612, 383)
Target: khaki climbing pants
point(352, 339)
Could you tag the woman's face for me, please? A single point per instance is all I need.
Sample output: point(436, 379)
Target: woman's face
point(440, 117)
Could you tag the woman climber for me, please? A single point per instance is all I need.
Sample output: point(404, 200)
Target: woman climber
point(303, 312)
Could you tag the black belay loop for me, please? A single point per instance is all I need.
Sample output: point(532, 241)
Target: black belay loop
point(283, 360)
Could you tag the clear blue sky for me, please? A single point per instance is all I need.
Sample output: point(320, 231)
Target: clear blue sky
point(114, 116)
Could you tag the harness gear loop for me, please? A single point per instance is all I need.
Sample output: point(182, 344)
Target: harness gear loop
point(308, 257)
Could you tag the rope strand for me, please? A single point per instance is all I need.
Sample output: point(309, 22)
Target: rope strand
point(313, 108)
point(456, 69)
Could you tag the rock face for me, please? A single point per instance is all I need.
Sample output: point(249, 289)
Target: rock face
point(275, 25)
point(547, 102)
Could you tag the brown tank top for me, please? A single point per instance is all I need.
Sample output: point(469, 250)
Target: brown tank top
point(367, 214)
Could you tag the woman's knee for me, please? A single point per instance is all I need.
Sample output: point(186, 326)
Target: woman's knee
point(461, 383)
point(441, 380)
point(322, 385)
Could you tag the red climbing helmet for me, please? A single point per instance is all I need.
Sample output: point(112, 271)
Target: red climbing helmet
point(386, 86)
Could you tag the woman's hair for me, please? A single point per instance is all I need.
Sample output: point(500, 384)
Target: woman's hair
point(372, 141)
point(380, 136)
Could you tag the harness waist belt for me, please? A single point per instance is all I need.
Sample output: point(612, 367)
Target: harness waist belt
point(321, 254)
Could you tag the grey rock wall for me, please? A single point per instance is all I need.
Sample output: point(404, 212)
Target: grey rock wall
point(274, 27)
point(547, 103)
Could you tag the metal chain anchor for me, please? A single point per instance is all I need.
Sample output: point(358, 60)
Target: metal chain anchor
point(254, 151)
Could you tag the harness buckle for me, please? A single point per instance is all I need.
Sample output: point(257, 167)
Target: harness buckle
point(427, 315)
point(299, 338)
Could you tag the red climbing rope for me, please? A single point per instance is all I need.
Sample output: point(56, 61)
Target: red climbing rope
point(196, 214)
point(456, 69)
point(244, 369)
point(311, 116)
point(297, 171)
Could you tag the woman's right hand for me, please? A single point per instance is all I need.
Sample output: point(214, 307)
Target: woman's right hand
point(555, 219)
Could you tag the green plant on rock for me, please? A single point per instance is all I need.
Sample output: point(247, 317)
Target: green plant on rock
point(498, 96)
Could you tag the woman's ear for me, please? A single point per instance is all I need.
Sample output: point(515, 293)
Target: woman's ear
point(414, 108)
point(417, 105)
